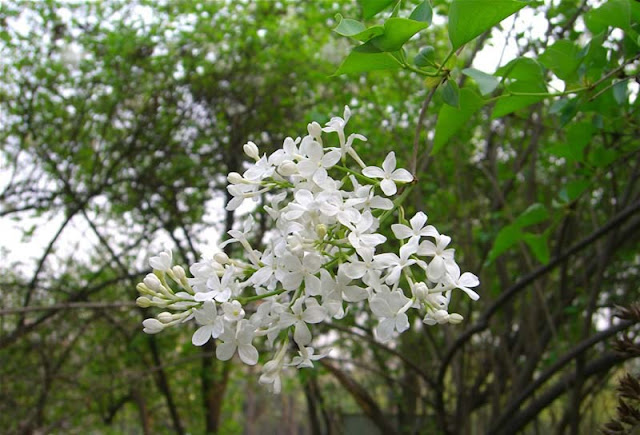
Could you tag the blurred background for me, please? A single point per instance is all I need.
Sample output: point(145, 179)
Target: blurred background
point(118, 124)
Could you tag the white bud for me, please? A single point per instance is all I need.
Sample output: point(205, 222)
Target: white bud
point(221, 258)
point(251, 150)
point(143, 302)
point(420, 291)
point(455, 318)
point(152, 282)
point(179, 273)
point(165, 317)
point(321, 230)
point(441, 316)
point(287, 168)
point(235, 178)
point(314, 130)
point(152, 326)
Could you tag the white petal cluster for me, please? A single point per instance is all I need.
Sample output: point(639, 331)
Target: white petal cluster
point(326, 255)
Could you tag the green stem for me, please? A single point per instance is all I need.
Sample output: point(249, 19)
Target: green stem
point(396, 203)
point(358, 175)
point(259, 297)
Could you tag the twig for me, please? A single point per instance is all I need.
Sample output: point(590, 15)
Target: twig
point(66, 306)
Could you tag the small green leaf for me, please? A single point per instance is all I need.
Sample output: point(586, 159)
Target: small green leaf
point(397, 31)
point(563, 58)
point(425, 57)
point(372, 7)
point(522, 68)
point(422, 12)
point(365, 58)
point(511, 103)
point(486, 82)
point(369, 33)
point(348, 27)
point(535, 214)
point(451, 119)
point(539, 246)
point(471, 18)
point(620, 92)
point(614, 13)
point(450, 94)
point(573, 189)
point(506, 238)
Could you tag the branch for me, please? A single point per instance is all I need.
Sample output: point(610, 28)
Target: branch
point(483, 322)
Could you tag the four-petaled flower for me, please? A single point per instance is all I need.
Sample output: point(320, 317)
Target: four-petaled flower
point(389, 174)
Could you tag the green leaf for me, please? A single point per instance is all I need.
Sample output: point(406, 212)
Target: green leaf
point(348, 27)
point(573, 189)
point(539, 246)
point(425, 57)
point(451, 119)
point(471, 18)
point(614, 13)
point(511, 103)
point(535, 214)
point(369, 34)
point(422, 12)
point(620, 92)
point(372, 7)
point(522, 68)
point(450, 94)
point(506, 238)
point(563, 58)
point(397, 31)
point(486, 82)
point(365, 58)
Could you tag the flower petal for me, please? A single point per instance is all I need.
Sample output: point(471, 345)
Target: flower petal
point(202, 335)
point(248, 354)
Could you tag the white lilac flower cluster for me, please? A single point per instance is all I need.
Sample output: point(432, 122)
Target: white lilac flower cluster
point(323, 257)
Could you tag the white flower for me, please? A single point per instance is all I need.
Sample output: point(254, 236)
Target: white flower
point(299, 271)
point(390, 307)
point(313, 314)
point(162, 261)
point(441, 256)
point(395, 264)
point(220, 289)
point(239, 338)
point(389, 174)
point(233, 311)
point(417, 229)
point(212, 325)
point(463, 282)
point(315, 166)
point(360, 236)
point(305, 357)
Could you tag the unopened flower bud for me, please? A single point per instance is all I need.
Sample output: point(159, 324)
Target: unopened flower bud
point(321, 230)
point(179, 273)
point(221, 257)
point(235, 178)
point(420, 291)
point(287, 168)
point(165, 317)
point(251, 150)
point(143, 302)
point(314, 129)
point(152, 282)
point(152, 326)
point(455, 318)
point(441, 316)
